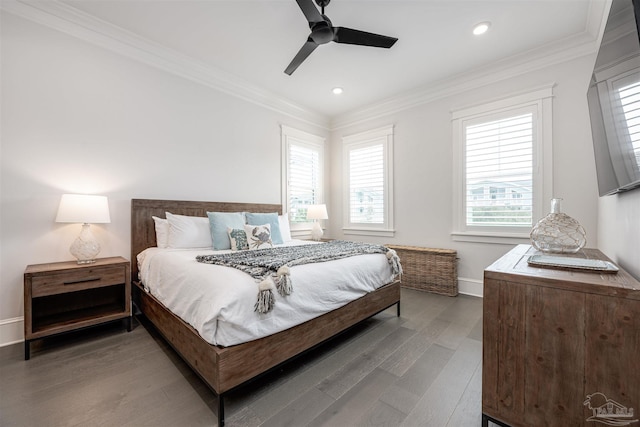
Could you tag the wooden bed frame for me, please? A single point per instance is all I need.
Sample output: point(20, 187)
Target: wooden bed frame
point(224, 368)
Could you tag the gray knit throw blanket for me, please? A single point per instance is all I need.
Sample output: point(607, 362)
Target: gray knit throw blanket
point(270, 267)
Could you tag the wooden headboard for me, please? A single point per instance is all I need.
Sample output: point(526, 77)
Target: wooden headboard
point(143, 231)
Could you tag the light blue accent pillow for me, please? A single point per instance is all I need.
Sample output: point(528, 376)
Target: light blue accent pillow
point(219, 223)
point(267, 218)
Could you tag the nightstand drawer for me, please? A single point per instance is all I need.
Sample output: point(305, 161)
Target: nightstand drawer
point(72, 281)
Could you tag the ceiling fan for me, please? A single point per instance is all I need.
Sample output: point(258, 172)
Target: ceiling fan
point(322, 31)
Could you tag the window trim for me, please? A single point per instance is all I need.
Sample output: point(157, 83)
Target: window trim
point(541, 99)
point(382, 135)
point(291, 136)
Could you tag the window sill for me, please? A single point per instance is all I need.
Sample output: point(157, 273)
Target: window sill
point(368, 232)
point(301, 234)
point(496, 238)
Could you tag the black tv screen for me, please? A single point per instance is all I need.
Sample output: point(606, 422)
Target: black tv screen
point(614, 101)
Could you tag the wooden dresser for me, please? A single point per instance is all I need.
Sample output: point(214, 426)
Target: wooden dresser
point(560, 347)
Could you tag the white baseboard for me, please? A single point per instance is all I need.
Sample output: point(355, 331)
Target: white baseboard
point(11, 331)
point(471, 287)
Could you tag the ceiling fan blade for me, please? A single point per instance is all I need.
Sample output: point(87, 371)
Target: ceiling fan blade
point(302, 54)
point(310, 11)
point(350, 36)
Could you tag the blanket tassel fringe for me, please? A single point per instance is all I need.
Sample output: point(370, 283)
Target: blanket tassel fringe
point(284, 281)
point(266, 299)
point(394, 260)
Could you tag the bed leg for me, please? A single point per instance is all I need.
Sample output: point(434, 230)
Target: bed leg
point(398, 308)
point(220, 410)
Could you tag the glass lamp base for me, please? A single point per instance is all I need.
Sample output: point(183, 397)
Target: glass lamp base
point(85, 248)
point(316, 232)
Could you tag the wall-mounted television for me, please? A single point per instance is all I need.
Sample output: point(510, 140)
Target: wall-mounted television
point(614, 101)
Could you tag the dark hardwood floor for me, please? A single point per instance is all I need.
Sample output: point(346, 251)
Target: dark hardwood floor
point(422, 369)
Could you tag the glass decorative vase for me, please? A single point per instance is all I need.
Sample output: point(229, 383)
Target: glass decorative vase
point(558, 232)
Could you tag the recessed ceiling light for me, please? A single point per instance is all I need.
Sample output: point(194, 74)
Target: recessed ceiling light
point(481, 28)
point(337, 90)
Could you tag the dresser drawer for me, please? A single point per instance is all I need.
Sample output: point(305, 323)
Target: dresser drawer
point(72, 281)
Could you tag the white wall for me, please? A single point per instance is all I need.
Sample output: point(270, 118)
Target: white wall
point(423, 165)
point(77, 118)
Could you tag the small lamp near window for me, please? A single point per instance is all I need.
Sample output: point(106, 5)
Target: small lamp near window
point(84, 209)
point(317, 212)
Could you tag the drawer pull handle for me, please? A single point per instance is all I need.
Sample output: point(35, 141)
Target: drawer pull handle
point(75, 282)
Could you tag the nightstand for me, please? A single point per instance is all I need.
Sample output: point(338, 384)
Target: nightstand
point(66, 296)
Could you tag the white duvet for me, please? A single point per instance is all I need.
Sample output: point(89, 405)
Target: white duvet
point(218, 301)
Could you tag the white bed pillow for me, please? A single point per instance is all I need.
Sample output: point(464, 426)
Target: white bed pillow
point(258, 236)
point(162, 231)
point(188, 231)
point(285, 229)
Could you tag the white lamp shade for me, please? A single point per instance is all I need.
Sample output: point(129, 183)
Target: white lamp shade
point(317, 212)
point(81, 208)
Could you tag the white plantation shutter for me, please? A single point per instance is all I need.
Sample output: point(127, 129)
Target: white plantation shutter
point(499, 172)
point(302, 171)
point(304, 181)
point(368, 162)
point(366, 185)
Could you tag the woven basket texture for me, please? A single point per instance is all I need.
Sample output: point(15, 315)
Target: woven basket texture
point(428, 269)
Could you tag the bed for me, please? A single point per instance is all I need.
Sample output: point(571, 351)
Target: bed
point(225, 368)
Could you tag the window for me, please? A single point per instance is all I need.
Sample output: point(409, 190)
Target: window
point(502, 167)
point(499, 155)
point(303, 163)
point(368, 160)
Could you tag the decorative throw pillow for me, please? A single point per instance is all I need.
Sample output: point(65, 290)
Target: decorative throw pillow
point(238, 239)
point(219, 223)
point(258, 236)
point(162, 231)
point(267, 218)
point(188, 231)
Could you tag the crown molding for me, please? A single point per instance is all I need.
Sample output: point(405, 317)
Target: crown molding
point(542, 57)
point(69, 20)
point(76, 23)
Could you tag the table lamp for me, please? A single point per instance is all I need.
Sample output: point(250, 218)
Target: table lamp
point(84, 209)
point(316, 212)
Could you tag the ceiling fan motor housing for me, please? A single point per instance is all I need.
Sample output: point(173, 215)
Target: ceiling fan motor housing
point(322, 32)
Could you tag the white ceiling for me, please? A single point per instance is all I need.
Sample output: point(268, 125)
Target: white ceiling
point(254, 41)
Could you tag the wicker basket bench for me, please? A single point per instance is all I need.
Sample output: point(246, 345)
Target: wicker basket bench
point(427, 269)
